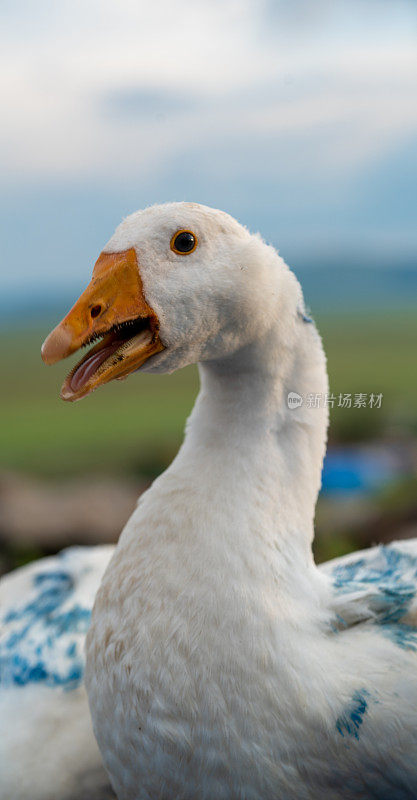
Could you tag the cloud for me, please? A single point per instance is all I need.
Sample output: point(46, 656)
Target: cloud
point(133, 102)
point(116, 89)
point(299, 118)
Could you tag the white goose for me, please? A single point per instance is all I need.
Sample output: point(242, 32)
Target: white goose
point(221, 662)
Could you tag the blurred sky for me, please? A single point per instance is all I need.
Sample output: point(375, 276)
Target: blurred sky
point(299, 118)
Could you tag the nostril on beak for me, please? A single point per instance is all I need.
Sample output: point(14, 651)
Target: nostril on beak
point(95, 311)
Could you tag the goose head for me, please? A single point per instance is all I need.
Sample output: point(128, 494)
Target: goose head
point(176, 284)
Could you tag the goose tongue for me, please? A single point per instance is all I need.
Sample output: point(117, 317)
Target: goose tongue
point(114, 310)
point(84, 372)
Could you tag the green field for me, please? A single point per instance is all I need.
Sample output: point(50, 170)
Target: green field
point(136, 426)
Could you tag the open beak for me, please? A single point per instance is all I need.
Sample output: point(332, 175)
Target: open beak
point(114, 311)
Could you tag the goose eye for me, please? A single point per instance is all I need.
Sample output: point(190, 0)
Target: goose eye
point(183, 242)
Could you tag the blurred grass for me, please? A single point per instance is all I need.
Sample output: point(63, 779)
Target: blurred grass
point(136, 426)
point(131, 426)
point(372, 352)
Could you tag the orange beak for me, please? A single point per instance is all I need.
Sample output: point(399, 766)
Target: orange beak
point(113, 309)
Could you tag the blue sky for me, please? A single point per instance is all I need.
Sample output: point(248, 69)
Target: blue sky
point(300, 118)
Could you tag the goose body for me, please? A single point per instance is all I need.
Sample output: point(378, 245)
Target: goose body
point(48, 749)
point(221, 661)
point(47, 746)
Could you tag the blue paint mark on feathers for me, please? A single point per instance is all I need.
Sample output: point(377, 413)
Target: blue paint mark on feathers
point(338, 624)
point(42, 636)
point(388, 582)
point(403, 635)
point(302, 313)
point(349, 723)
point(72, 649)
point(55, 588)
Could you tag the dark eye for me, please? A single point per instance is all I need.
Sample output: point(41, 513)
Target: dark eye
point(183, 242)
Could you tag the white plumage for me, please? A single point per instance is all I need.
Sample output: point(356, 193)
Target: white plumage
point(221, 662)
point(47, 746)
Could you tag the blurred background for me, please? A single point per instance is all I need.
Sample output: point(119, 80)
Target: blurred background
point(300, 119)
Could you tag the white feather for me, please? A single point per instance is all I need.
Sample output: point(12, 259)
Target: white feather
point(47, 746)
point(221, 662)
